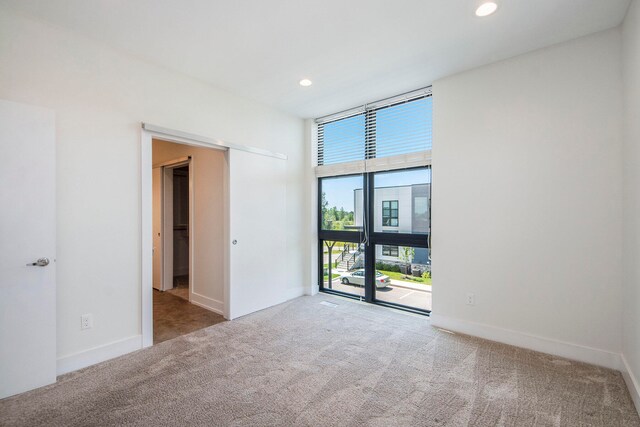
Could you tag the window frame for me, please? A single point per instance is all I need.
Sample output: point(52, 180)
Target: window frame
point(369, 147)
point(388, 250)
point(390, 217)
point(385, 237)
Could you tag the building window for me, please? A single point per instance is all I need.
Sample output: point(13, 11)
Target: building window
point(390, 213)
point(389, 250)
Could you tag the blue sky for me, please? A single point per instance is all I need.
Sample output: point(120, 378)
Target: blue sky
point(402, 128)
point(339, 191)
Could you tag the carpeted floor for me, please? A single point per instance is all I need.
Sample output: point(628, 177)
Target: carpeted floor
point(174, 316)
point(309, 364)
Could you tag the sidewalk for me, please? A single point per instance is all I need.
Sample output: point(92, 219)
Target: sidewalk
point(412, 286)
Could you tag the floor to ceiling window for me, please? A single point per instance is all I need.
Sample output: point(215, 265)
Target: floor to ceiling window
point(374, 202)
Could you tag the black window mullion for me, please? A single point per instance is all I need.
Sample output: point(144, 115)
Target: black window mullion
point(370, 248)
point(400, 239)
point(340, 236)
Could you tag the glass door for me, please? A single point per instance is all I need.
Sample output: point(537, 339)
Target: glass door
point(401, 224)
point(341, 233)
point(374, 237)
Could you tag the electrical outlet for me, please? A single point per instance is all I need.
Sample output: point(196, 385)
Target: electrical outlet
point(86, 321)
point(471, 299)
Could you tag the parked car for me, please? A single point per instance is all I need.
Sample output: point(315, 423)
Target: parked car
point(357, 278)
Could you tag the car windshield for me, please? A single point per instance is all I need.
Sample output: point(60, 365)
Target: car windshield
point(378, 274)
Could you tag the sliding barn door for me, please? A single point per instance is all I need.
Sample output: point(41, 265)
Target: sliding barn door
point(257, 195)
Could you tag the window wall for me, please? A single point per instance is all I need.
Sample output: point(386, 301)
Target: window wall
point(374, 225)
point(374, 236)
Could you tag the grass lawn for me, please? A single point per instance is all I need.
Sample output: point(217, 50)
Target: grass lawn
point(334, 275)
point(405, 278)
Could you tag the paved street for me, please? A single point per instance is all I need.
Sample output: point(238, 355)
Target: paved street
point(398, 292)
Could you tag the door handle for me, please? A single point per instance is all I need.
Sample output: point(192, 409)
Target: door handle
point(42, 262)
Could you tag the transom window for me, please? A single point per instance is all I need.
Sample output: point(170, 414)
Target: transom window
point(390, 213)
point(395, 126)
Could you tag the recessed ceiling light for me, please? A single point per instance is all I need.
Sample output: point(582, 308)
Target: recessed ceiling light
point(486, 8)
point(305, 82)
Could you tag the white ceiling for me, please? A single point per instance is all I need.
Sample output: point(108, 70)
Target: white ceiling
point(355, 51)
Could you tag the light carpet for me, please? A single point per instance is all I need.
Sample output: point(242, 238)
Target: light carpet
point(303, 363)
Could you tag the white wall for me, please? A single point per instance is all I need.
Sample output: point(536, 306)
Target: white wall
point(631, 156)
point(311, 212)
point(527, 199)
point(405, 211)
point(210, 172)
point(100, 97)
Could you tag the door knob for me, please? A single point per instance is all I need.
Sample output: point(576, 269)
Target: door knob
point(42, 262)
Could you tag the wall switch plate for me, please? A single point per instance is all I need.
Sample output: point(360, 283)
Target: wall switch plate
point(471, 299)
point(86, 321)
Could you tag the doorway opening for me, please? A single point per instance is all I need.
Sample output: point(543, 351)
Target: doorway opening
point(184, 286)
point(180, 273)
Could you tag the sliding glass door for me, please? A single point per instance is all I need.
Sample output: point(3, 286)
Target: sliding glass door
point(341, 235)
point(374, 233)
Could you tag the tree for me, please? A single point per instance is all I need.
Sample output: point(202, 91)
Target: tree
point(323, 206)
point(332, 217)
point(330, 244)
point(406, 254)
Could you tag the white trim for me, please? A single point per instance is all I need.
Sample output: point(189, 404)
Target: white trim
point(98, 354)
point(146, 222)
point(207, 303)
point(226, 189)
point(166, 228)
point(401, 161)
point(180, 161)
point(146, 225)
point(403, 97)
point(289, 295)
point(173, 135)
point(564, 349)
point(167, 249)
point(633, 383)
point(294, 293)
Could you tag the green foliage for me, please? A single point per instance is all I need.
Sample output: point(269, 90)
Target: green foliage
point(383, 266)
point(426, 275)
point(334, 218)
point(394, 275)
point(407, 253)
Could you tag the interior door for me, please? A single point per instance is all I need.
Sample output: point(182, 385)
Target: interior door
point(27, 248)
point(157, 228)
point(258, 233)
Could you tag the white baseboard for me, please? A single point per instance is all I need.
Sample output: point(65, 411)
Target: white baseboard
point(567, 350)
point(98, 354)
point(206, 302)
point(286, 295)
point(633, 383)
point(294, 293)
